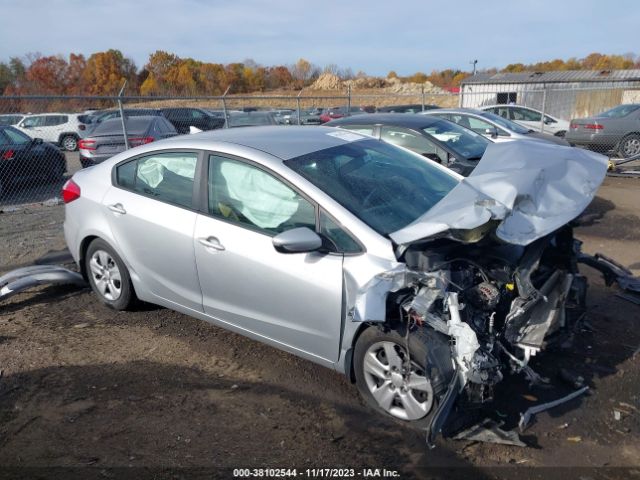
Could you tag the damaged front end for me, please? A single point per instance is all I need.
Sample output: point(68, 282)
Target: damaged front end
point(493, 266)
point(499, 304)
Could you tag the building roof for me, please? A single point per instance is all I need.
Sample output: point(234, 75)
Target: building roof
point(561, 76)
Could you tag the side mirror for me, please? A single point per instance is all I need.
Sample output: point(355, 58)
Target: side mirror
point(297, 240)
point(492, 131)
point(548, 121)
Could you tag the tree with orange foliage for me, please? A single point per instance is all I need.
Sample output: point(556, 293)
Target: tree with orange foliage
point(106, 72)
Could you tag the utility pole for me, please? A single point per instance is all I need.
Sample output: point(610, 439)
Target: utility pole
point(473, 62)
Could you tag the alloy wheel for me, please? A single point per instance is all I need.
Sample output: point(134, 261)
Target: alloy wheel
point(106, 275)
point(407, 395)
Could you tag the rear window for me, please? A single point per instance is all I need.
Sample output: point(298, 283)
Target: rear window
point(135, 126)
point(619, 111)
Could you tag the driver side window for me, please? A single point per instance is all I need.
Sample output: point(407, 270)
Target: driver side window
point(247, 195)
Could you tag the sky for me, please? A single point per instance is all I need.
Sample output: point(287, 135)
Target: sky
point(374, 36)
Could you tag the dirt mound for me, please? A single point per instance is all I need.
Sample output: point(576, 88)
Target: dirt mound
point(327, 81)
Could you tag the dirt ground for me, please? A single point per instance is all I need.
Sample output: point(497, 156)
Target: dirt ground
point(87, 392)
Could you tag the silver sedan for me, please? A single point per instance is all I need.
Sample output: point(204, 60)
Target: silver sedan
point(353, 253)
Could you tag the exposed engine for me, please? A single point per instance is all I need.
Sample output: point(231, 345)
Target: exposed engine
point(499, 303)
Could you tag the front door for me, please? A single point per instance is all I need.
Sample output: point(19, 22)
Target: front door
point(294, 300)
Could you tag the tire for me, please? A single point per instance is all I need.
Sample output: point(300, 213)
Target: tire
point(431, 372)
point(629, 146)
point(108, 276)
point(69, 143)
point(561, 133)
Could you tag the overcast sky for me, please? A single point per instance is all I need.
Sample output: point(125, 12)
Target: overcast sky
point(372, 35)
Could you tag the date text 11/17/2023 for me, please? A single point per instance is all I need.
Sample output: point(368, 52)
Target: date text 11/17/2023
point(315, 473)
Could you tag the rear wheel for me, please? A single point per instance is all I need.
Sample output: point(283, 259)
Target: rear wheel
point(108, 276)
point(69, 143)
point(629, 146)
point(406, 390)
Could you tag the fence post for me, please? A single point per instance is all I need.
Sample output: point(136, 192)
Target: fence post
point(422, 87)
point(348, 100)
point(544, 106)
point(460, 96)
point(298, 104)
point(124, 124)
point(224, 107)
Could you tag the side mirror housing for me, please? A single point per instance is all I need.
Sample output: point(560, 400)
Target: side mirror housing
point(492, 131)
point(297, 240)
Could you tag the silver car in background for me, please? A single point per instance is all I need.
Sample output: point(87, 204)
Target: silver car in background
point(493, 126)
point(351, 252)
point(617, 129)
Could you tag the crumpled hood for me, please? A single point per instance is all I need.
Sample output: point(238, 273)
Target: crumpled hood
point(530, 188)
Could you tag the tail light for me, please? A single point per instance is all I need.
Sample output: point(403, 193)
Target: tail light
point(593, 126)
point(85, 144)
point(137, 141)
point(70, 191)
point(8, 155)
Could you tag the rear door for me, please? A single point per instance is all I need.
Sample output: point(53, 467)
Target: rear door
point(151, 209)
point(293, 300)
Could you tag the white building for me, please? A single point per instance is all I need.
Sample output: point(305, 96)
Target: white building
point(564, 94)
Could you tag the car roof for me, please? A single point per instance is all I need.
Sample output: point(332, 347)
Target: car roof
point(408, 120)
point(472, 111)
point(281, 142)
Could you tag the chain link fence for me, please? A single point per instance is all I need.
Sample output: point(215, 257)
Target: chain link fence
point(41, 137)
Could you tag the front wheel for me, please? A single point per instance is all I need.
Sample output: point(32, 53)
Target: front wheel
point(629, 146)
point(108, 276)
point(407, 389)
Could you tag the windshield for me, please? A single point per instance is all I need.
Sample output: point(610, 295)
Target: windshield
point(384, 186)
point(619, 111)
point(508, 124)
point(463, 142)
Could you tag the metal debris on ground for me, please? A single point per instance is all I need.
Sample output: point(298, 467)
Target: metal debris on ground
point(24, 278)
point(489, 431)
point(525, 418)
point(614, 272)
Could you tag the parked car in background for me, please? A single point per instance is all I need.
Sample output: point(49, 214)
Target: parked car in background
point(339, 112)
point(24, 159)
point(493, 126)
point(103, 115)
point(11, 119)
point(184, 117)
point(63, 129)
point(349, 252)
point(251, 118)
point(530, 118)
point(435, 138)
point(414, 108)
point(617, 129)
point(107, 138)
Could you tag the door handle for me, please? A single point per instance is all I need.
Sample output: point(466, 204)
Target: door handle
point(211, 242)
point(117, 208)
